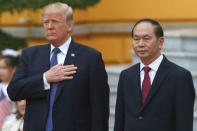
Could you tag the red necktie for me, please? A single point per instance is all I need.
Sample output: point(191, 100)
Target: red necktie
point(146, 85)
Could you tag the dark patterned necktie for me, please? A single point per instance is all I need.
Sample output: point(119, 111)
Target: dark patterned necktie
point(49, 124)
point(146, 85)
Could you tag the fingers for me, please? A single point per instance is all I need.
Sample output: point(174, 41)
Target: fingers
point(67, 77)
point(65, 67)
point(58, 73)
point(68, 70)
point(69, 67)
point(69, 73)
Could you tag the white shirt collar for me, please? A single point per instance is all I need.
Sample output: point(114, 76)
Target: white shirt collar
point(154, 65)
point(64, 47)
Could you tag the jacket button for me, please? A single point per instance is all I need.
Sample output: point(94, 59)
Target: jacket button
point(140, 117)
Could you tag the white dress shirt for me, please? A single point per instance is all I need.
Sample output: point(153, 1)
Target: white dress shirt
point(154, 67)
point(12, 124)
point(60, 58)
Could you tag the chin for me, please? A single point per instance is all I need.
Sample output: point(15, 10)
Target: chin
point(51, 37)
point(142, 55)
point(51, 40)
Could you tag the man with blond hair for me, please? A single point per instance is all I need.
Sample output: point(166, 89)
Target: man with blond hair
point(64, 83)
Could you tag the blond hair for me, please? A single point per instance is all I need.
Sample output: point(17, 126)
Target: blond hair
point(60, 7)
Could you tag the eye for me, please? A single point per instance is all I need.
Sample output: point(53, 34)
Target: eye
point(147, 38)
point(45, 22)
point(55, 21)
point(3, 67)
point(136, 38)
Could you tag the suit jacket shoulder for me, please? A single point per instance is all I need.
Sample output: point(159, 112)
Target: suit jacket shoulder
point(131, 70)
point(175, 70)
point(85, 48)
point(36, 48)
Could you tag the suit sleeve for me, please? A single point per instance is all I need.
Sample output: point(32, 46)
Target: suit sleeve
point(185, 95)
point(119, 112)
point(23, 85)
point(99, 94)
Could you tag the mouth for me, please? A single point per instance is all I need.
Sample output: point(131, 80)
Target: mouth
point(141, 51)
point(51, 34)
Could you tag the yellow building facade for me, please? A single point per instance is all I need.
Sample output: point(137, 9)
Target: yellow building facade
point(107, 25)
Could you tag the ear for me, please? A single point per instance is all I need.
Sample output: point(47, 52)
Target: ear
point(161, 42)
point(70, 27)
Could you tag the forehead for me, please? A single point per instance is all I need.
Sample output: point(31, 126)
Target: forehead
point(57, 15)
point(144, 28)
point(21, 102)
point(2, 61)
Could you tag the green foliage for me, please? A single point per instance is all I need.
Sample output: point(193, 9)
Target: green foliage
point(19, 5)
point(7, 41)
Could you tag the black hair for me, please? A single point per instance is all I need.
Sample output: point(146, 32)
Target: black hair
point(157, 27)
point(11, 61)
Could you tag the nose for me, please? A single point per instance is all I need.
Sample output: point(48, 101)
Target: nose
point(141, 42)
point(50, 24)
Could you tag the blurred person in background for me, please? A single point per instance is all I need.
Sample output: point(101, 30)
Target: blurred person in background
point(15, 121)
point(8, 64)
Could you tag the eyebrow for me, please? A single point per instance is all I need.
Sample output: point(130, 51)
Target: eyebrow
point(146, 35)
point(52, 19)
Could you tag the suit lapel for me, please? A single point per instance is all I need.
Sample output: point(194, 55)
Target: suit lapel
point(159, 77)
point(137, 87)
point(71, 54)
point(70, 59)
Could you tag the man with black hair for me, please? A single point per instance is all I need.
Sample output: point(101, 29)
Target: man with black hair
point(155, 94)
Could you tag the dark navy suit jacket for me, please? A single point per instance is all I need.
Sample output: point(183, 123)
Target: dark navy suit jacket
point(81, 104)
point(169, 104)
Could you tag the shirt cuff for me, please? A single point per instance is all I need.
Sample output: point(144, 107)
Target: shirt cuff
point(46, 84)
